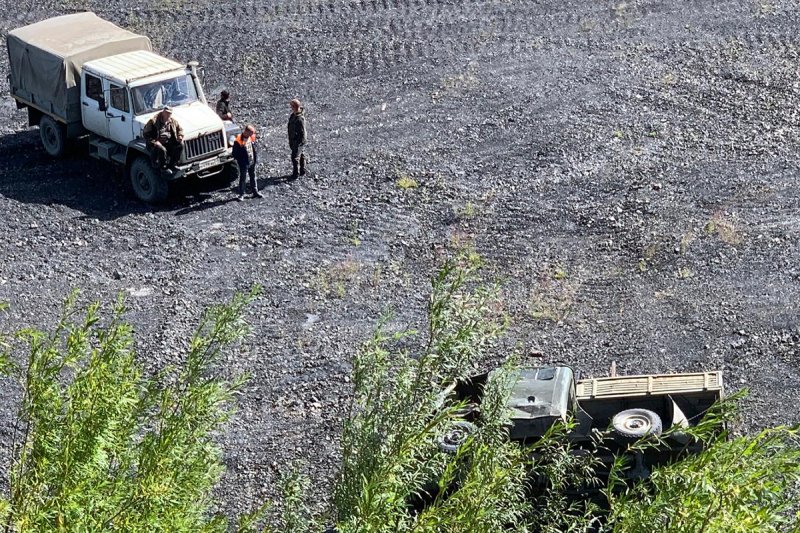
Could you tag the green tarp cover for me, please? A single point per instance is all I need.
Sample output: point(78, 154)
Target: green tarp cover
point(46, 58)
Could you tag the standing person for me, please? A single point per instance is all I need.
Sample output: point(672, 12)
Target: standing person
point(297, 138)
point(164, 138)
point(246, 154)
point(224, 106)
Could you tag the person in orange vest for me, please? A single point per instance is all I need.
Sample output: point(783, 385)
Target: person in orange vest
point(246, 155)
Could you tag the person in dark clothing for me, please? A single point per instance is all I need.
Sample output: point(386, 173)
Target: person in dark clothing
point(224, 106)
point(246, 155)
point(164, 138)
point(297, 138)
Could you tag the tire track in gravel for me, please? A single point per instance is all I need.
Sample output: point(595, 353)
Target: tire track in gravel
point(360, 37)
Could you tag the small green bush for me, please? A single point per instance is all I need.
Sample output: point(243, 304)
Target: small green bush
point(389, 443)
point(100, 447)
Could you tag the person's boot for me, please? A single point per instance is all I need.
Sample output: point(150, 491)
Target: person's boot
point(303, 165)
point(295, 173)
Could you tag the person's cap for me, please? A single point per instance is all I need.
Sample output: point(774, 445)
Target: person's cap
point(166, 108)
point(225, 94)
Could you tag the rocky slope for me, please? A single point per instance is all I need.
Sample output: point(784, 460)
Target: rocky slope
point(627, 169)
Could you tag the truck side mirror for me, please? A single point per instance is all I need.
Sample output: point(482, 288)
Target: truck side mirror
point(197, 70)
point(101, 104)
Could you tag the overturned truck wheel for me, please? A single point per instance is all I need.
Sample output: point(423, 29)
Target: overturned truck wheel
point(457, 434)
point(636, 423)
point(147, 183)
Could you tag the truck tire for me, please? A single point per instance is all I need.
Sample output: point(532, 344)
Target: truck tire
point(230, 174)
point(456, 435)
point(147, 183)
point(53, 135)
point(636, 423)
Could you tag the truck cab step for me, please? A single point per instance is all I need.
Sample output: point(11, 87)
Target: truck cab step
point(105, 150)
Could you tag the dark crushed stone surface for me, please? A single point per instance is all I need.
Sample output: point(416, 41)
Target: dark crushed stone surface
point(628, 169)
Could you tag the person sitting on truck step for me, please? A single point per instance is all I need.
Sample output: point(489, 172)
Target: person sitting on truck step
point(224, 106)
point(164, 138)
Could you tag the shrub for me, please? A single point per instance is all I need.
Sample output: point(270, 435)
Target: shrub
point(98, 446)
point(747, 483)
point(389, 444)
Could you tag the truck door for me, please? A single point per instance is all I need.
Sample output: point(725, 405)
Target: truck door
point(94, 119)
point(120, 123)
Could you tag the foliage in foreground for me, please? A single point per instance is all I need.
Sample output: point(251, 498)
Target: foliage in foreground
point(389, 444)
point(99, 447)
point(743, 484)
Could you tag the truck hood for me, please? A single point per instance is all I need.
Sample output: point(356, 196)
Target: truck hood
point(195, 119)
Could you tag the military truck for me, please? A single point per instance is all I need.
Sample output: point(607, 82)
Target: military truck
point(616, 409)
point(81, 76)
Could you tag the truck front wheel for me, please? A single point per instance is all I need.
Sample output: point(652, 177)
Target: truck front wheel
point(231, 173)
point(147, 183)
point(54, 137)
point(457, 434)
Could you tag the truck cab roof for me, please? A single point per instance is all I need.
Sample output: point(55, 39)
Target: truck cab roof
point(130, 66)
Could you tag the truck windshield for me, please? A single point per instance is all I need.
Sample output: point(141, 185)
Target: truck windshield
point(172, 92)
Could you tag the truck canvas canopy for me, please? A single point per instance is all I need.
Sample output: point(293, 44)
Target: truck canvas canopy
point(46, 59)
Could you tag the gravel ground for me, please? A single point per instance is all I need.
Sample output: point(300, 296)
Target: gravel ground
point(628, 170)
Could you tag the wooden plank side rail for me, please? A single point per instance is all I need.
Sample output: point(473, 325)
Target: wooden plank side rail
point(658, 384)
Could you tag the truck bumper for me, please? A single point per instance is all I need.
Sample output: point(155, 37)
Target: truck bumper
point(202, 169)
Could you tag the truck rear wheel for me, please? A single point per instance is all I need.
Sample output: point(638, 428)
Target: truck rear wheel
point(636, 423)
point(53, 135)
point(147, 183)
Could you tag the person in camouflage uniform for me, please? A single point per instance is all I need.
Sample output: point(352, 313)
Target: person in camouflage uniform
point(297, 138)
point(224, 106)
point(164, 138)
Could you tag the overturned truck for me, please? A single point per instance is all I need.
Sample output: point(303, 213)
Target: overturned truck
point(616, 410)
point(81, 76)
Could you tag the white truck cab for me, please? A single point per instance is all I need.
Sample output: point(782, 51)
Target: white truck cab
point(80, 75)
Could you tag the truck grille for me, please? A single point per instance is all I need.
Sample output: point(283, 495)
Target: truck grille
point(203, 145)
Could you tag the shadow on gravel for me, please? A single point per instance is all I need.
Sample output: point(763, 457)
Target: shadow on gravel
point(274, 180)
point(95, 188)
point(203, 205)
point(29, 175)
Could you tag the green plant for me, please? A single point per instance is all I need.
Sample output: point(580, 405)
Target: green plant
point(390, 457)
point(743, 484)
point(560, 468)
point(724, 227)
point(468, 212)
point(332, 281)
point(554, 295)
point(99, 447)
point(354, 238)
point(465, 80)
point(405, 181)
point(293, 514)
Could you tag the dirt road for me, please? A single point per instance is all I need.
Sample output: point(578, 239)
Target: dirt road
point(627, 169)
